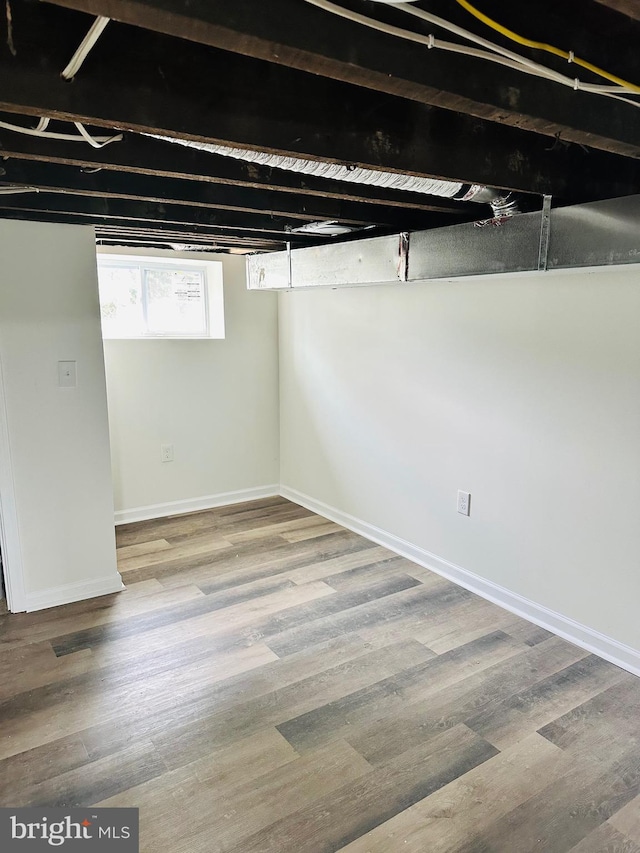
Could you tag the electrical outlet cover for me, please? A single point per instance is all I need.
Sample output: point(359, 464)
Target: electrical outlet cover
point(464, 503)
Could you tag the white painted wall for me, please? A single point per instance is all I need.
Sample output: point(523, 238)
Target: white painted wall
point(216, 401)
point(58, 442)
point(524, 391)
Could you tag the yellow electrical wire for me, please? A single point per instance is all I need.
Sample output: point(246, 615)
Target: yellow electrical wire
point(538, 45)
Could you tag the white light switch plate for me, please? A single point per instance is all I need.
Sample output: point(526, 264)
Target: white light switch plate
point(67, 374)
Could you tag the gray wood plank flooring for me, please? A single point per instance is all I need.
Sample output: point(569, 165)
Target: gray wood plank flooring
point(272, 683)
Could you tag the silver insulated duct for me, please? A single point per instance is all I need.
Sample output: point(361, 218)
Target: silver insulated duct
point(503, 204)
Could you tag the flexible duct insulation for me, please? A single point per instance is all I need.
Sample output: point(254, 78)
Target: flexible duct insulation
point(350, 174)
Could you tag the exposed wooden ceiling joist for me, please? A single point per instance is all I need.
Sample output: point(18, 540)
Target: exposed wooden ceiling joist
point(115, 234)
point(298, 35)
point(117, 221)
point(293, 80)
point(146, 156)
point(295, 210)
point(140, 81)
point(626, 7)
point(173, 215)
point(125, 233)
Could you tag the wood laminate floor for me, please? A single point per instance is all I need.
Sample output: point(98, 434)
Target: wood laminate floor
point(272, 683)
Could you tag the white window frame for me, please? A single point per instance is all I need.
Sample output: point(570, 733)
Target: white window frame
point(213, 292)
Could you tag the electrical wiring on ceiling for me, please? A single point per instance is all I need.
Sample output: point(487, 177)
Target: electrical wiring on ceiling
point(41, 131)
point(492, 52)
point(95, 31)
point(96, 142)
point(537, 69)
point(613, 92)
point(72, 68)
point(501, 56)
point(14, 190)
point(556, 51)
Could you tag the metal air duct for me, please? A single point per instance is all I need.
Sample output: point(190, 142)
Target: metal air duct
point(598, 234)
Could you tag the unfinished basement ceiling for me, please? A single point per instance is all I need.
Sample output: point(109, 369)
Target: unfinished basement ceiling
point(320, 82)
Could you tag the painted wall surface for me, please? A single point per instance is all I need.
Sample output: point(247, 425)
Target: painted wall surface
point(58, 438)
point(524, 391)
point(216, 401)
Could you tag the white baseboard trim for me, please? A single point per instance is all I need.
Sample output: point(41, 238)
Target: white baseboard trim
point(68, 593)
point(580, 635)
point(145, 513)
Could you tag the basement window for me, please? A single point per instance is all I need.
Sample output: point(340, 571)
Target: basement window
point(147, 297)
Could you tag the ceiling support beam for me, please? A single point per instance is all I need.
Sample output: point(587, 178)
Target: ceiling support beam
point(176, 232)
point(296, 210)
point(139, 81)
point(144, 211)
point(124, 233)
point(304, 37)
point(631, 8)
point(173, 217)
point(145, 156)
point(400, 135)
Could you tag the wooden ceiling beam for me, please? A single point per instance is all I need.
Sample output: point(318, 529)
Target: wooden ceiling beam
point(295, 210)
point(143, 82)
point(400, 135)
point(298, 35)
point(121, 235)
point(631, 8)
point(134, 228)
point(140, 155)
point(142, 215)
point(128, 236)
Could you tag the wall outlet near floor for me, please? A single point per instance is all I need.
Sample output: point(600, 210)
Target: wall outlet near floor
point(166, 452)
point(464, 503)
